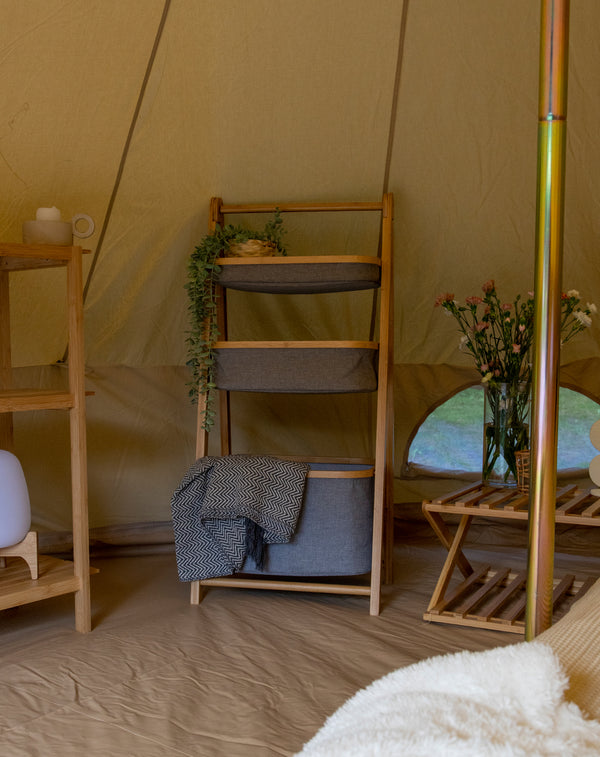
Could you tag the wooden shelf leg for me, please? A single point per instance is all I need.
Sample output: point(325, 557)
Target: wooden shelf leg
point(6, 419)
point(196, 593)
point(81, 550)
point(454, 556)
point(445, 536)
point(384, 423)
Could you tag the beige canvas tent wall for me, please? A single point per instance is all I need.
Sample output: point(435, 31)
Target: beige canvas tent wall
point(137, 111)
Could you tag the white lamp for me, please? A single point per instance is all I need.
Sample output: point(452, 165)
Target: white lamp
point(15, 515)
point(15, 511)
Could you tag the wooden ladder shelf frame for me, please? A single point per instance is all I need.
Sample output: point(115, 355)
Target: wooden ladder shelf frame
point(382, 542)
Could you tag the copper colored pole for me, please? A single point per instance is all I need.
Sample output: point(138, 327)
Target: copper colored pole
point(548, 274)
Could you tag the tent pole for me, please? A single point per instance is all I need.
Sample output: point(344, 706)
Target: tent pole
point(552, 129)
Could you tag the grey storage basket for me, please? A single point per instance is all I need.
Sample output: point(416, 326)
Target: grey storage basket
point(296, 370)
point(297, 276)
point(335, 528)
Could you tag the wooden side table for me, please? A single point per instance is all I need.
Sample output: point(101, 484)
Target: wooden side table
point(491, 597)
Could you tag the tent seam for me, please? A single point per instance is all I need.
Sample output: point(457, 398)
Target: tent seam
point(125, 152)
point(395, 96)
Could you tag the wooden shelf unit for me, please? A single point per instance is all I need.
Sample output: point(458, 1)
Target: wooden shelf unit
point(494, 597)
point(324, 274)
point(56, 577)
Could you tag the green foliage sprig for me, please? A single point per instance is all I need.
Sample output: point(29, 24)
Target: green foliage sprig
point(203, 275)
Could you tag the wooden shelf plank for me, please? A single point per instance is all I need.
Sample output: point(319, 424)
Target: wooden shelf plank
point(15, 400)
point(301, 207)
point(316, 344)
point(21, 257)
point(299, 260)
point(460, 591)
point(456, 494)
point(56, 577)
point(482, 594)
point(573, 505)
point(283, 584)
point(504, 611)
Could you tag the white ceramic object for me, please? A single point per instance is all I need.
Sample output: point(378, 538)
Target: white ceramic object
point(49, 229)
point(15, 511)
point(595, 464)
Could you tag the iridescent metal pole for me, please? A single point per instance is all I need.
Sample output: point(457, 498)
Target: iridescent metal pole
point(548, 274)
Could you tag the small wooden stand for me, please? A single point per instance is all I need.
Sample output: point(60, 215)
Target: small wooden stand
point(27, 549)
point(495, 597)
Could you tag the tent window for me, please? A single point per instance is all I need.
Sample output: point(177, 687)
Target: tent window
point(450, 438)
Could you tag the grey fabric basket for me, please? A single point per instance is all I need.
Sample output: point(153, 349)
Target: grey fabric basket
point(301, 278)
point(334, 532)
point(291, 370)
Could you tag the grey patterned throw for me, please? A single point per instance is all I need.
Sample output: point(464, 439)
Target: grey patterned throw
point(227, 505)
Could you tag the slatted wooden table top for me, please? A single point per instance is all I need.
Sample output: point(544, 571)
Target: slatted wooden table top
point(573, 505)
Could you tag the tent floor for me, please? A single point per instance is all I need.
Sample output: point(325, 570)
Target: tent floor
point(245, 673)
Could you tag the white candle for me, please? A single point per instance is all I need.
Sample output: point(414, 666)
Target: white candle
point(47, 214)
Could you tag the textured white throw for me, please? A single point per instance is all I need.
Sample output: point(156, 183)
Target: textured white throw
point(504, 702)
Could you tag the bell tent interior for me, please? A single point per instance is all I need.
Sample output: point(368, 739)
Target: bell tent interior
point(136, 114)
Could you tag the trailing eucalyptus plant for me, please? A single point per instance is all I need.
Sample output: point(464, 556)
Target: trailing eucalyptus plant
point(203, 274)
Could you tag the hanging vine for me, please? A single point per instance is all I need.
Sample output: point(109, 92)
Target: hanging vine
point(203, 275)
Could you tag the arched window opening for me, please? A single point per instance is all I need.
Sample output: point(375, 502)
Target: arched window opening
point(451, 437)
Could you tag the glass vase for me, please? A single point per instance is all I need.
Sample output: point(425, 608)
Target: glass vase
point(505, 431)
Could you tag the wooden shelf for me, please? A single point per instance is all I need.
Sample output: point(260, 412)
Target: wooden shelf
point(285, 584)
point(56, 577)
point(16, 400)
point(495, 598)
point(314, 367)
point(492, 597)
point(21, 257)
point(573, 505)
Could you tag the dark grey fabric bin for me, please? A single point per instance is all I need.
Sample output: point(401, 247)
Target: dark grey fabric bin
point(300, 278)
point(292, 370)
point(334, 532)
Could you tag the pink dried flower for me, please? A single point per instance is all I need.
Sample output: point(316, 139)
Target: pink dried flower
point(499, 335)
point(441, 298)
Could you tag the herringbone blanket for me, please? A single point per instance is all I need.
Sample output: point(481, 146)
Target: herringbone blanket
point(216, 500)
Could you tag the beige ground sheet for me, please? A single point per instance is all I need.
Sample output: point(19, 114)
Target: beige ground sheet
point(245, 674)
